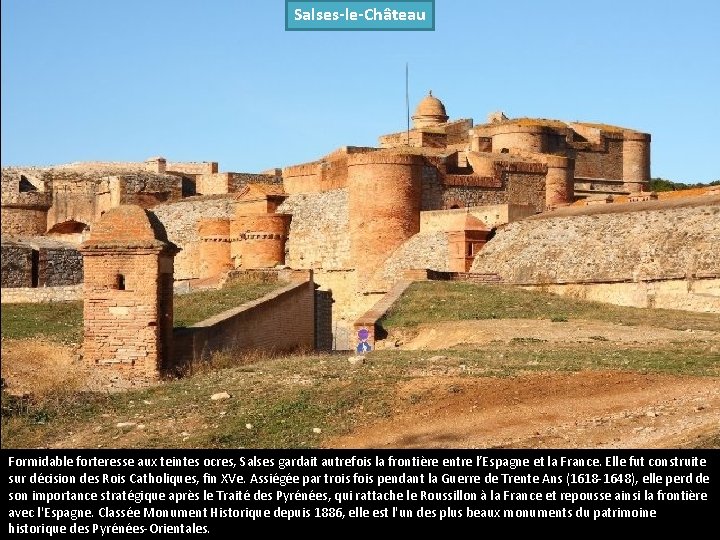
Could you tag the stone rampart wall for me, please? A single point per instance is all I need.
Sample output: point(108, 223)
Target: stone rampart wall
point(603, 162)
point(319, 236)
point(36, 295)
point(702, 295)
point(630, 246)
point(17, 265)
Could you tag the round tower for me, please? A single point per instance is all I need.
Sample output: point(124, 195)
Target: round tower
point(384, 191)
point(559, 181)
point(520, 137)
point(258, 240)
point(636, 161)
point(215, 247)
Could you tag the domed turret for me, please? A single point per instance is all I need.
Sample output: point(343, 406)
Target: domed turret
point(430, 112)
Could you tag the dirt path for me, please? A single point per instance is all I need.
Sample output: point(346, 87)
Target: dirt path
point(577, 410)
point(481, 332)
point(587, 409)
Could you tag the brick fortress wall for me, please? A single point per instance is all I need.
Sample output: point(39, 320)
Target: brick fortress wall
point(281, 321)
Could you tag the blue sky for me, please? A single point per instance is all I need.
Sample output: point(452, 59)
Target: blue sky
point(223, 81)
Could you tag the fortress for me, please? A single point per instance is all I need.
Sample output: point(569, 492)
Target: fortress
point(359, 218)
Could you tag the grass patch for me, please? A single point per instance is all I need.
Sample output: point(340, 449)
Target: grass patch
point(197, 306)
point(62, 321)
point(58, 321)
point(286, 400)
point(437, 301)
point(297, 401)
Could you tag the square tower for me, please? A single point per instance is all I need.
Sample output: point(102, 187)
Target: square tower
point(128, 293)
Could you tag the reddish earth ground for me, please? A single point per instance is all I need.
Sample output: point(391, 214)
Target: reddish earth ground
point(588, 409)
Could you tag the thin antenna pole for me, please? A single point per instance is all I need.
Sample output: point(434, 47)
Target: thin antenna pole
point(407, 102)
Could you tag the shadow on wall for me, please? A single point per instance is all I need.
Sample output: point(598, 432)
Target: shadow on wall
point(157, 227)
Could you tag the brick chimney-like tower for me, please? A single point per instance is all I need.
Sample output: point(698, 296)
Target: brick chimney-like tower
point(128, 293)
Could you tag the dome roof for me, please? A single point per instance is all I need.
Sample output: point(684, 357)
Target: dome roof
point(430, 111)
point(128, 225)
point(430, 106)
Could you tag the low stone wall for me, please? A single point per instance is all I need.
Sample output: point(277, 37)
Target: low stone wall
point(365, 327)
point(281, 321)
point(701, 295)
point(27, 295)
point(40, 262)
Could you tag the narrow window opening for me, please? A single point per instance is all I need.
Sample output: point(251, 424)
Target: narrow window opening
point(34, 268)
point(120, 282)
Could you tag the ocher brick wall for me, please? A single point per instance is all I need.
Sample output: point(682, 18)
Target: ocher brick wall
point(17, 221)
point(281, 321)
point(214, 247)
point(121, 326)
point(384, 193)
point(258, 240)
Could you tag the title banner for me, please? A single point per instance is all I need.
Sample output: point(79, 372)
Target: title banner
point(360, 15)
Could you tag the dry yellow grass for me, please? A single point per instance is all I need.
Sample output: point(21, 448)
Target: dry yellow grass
point(37, 368)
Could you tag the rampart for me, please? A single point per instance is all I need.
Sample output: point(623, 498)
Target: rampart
point(17, 265)
point(281, 321)
point(40, 262)
point(658, 242)
point(328, 173)
point(24, 205)
point(384, 191)
point(318, 231)
point(230, 182)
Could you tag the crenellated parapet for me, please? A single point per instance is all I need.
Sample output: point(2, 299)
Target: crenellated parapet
point(258, 240)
